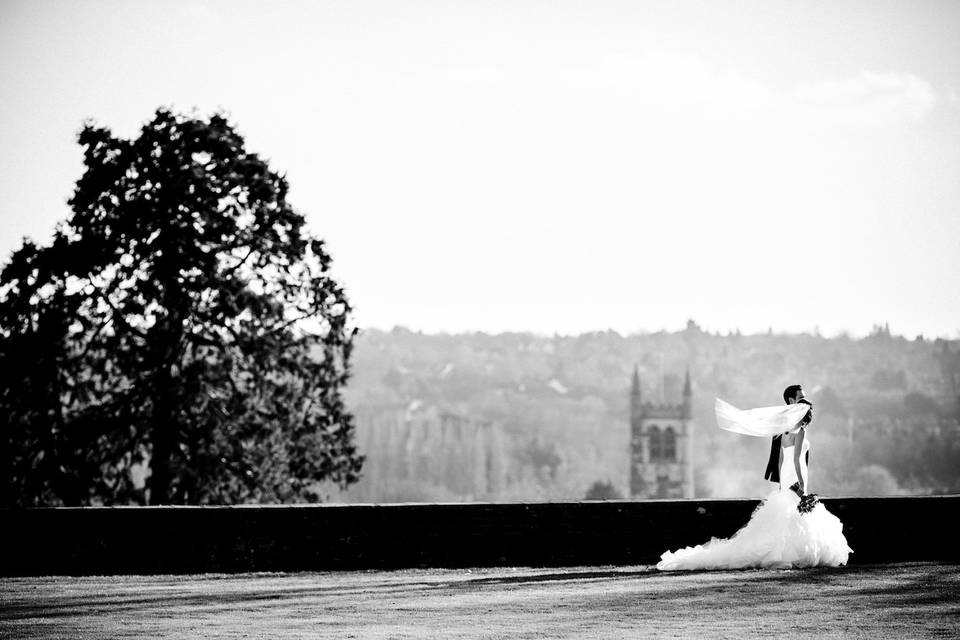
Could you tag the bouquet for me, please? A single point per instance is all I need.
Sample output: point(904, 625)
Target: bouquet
point(807, 500)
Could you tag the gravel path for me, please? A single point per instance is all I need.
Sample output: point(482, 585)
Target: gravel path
point(890, 601)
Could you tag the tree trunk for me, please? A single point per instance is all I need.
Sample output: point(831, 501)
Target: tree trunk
point(166, 342)
point(165, 426)
point(161, 438)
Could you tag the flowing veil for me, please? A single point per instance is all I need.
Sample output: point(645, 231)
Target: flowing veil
point(762, 422)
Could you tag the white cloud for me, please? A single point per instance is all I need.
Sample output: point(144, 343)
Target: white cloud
point(687, 81)
point(870, 99)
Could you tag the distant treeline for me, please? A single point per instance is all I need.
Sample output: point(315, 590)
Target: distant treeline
point(886, 407)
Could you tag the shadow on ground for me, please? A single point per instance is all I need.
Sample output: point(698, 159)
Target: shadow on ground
point(909, 600)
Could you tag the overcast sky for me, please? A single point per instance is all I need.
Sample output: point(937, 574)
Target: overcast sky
point(546, 166)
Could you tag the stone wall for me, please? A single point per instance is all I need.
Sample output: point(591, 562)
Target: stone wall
point(147, 540)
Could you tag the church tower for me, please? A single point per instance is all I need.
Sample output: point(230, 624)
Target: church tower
point(661, 445)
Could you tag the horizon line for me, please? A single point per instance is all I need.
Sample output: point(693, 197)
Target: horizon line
point(880, 330)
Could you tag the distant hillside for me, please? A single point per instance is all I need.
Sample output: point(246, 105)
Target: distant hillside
point(559, 406)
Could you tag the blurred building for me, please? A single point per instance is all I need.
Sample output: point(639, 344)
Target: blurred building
point(661, 445)
point(425, 454)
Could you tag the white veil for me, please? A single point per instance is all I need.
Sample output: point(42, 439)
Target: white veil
point(761, 422)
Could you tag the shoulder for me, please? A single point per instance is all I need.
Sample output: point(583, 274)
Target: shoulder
point(790, 438)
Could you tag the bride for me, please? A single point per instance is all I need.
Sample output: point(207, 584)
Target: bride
point(790, 528)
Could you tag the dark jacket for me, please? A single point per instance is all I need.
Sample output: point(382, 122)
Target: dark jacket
point(773, 464)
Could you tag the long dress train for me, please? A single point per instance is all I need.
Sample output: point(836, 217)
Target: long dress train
point(777, 535)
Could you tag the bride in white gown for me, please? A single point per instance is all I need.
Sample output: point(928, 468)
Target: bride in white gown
point(777, 535)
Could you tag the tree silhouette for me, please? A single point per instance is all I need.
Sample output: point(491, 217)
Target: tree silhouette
point(600, 490)
point(182, 319)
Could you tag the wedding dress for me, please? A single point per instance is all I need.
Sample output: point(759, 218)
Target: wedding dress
point(777, 535)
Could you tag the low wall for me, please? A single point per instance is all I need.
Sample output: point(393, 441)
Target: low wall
point(145, 540)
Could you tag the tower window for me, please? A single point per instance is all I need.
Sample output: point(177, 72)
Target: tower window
point(656, 446)
point(669, 445)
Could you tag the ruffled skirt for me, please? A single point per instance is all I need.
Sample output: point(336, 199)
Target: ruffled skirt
point(777, 536)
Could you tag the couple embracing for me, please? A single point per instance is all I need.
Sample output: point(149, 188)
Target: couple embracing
point(790, 528)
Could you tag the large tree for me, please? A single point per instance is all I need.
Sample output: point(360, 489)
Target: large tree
point(182, 326)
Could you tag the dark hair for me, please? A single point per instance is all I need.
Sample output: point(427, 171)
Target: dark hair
point(790, 392)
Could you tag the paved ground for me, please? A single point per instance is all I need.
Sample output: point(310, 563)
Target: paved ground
point(899, 601)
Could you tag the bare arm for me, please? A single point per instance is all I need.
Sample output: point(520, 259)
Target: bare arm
point(797, 451)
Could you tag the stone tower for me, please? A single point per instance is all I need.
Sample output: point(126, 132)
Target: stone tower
point(661, 445)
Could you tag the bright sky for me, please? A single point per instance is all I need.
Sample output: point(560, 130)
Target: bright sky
point(548, 166)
